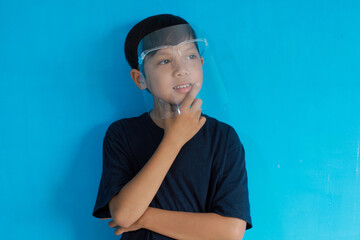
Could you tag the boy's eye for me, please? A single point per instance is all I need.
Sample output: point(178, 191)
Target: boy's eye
point(165, 61)
point(192, 56)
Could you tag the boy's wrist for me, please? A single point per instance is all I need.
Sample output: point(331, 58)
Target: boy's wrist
point(146, 218)
point(172, 142)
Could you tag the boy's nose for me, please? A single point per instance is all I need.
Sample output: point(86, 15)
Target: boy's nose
point(179, 66)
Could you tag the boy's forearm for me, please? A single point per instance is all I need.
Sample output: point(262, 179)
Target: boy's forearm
point(188, 225)
point(135, 197)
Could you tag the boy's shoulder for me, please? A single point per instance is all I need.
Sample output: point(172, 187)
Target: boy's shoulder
point(214, 123)
point(220, 129)
point(126, 123)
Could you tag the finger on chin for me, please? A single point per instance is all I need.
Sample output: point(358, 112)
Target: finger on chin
point(112, 224)
point(191, 95)
point(119, 231)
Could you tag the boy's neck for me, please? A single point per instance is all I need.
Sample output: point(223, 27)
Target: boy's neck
point(157, 119)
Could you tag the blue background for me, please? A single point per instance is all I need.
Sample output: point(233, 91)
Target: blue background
point(291, 69)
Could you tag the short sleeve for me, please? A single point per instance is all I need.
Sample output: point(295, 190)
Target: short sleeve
point(231, 197)
point(116, 170)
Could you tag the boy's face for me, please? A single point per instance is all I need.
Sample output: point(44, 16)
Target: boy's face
point(171, 72)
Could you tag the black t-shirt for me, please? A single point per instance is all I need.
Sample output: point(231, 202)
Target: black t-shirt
point(208, 174)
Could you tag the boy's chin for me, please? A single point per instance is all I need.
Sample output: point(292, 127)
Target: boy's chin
point(172, 102)
point(177, 102)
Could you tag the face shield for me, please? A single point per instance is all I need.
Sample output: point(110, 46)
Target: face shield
point(171, 63)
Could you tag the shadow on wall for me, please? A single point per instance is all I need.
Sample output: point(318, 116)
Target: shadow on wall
point(75, 197)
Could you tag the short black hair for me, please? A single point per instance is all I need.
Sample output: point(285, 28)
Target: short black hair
point(143, 28)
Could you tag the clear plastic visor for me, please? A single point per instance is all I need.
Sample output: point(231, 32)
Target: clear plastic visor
point(171, 62)
point(186, 51)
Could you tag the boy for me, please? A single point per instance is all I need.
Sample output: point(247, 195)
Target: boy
point(173, 173)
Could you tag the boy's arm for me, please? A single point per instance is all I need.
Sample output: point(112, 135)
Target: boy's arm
point(188, 225)
point(134, 198)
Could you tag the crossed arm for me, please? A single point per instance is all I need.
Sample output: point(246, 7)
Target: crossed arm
point(187, 225)
point(131, 212)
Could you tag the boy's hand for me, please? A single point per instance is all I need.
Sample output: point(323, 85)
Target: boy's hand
point(179, 129)
point(140, 223)
point(136, 226)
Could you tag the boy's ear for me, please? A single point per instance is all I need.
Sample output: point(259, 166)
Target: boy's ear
point(136, 77)
point(202, 61)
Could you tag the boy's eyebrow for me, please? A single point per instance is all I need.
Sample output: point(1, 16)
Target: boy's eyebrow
point(167, 51)
point(161, 52)
point(190, 48)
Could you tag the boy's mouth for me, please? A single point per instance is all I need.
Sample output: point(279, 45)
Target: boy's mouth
point(182, 86)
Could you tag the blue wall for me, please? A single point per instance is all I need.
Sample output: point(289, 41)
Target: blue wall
point(291, 69)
